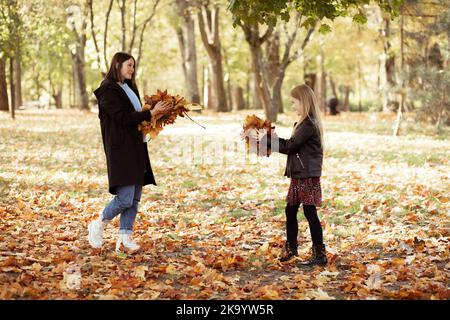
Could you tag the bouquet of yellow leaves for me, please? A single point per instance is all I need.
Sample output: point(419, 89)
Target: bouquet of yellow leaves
point(156, 124)
point(254, 124)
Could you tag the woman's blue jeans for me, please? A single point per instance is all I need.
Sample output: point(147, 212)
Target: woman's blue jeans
point(126, 203)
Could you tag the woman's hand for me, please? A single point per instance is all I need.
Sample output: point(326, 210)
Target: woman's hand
point(160, 108)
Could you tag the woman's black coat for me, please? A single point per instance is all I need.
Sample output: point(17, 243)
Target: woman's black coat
point(126, 154)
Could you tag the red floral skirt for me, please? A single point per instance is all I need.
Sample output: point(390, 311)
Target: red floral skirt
point(306, 191)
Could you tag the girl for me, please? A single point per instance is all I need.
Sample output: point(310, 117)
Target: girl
point(126, 151)
point(304, 166)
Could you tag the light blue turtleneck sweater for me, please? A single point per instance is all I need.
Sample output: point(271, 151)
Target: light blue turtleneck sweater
point(133, 98)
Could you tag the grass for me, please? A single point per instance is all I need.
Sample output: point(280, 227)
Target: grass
point(239, 213)
point(280, 205)
point(189, 184)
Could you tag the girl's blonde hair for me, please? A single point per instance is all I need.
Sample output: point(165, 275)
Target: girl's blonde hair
point(310, 107)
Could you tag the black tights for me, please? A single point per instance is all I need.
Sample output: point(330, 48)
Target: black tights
point(313, 220)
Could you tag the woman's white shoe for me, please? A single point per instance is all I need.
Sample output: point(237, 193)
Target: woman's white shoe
point(95, 236)
point(125, 240)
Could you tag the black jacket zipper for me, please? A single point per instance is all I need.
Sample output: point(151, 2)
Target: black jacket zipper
point(301, 162)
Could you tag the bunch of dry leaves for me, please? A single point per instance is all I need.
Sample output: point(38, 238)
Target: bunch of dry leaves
point(257, 126)
point(156, 124)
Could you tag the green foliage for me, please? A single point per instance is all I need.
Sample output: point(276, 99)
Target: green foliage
point(360, 18)
point(268, 12)
point(259, 11)
point(12, 29)
point(324, 28)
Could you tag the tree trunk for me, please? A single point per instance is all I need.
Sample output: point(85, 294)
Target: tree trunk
point(345, 105)
point(4, 105)
point(278, 65)
point(186, 41)
point(227, 80)
point(441, 112)
point(182, 46)
point(274, 66)
point(12, 87)
point(57, 96)
point(321, 82)
point(262, 86)
point(333, 87)
point(209, 29)
point(256, 100)
point(75, 85)
point(276, 90)
point(310, 80)
point(72, 90)
point(397, 124)
point(389, 99)
point(247, 90)
point(18, 81)
point(36, 83)
point(228, 91)
point(207, 88)
point(81, 97)
point(359, 85)
point(255, 42)
point(78, 62)
point(323, 91)
point(277, 98)
point(273, 56)
point(56, 90)
point(134, 27)
point(269, 75)
point(218, 93)
point(124, 28)
point(237, 98)
point(396, 131)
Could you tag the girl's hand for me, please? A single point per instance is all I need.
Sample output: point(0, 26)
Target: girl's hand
point(160, 108)
point(255, 134)
point(273, 134)
point(248, 134)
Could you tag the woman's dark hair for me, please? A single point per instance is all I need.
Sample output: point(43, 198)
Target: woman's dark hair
point(116, 65)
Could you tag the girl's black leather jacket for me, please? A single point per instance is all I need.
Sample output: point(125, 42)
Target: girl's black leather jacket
point(304, 150)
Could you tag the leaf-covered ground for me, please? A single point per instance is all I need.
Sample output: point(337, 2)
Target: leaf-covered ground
point(213, 228)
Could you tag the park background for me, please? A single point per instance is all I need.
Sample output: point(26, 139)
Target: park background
point(214, 225)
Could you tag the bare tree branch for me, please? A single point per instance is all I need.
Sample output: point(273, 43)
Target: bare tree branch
point(91, 10)
point(105, 33)
point(141, 38)
point(124, 27)
point(298, 52)
point(268, 33)
point(133, 34)
point(205, 27)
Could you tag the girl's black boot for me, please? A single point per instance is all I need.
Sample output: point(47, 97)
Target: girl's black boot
point(319, 257)
point(290, 251)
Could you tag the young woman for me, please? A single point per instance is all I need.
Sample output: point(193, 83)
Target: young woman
point(126, 151)
point(304, 166)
